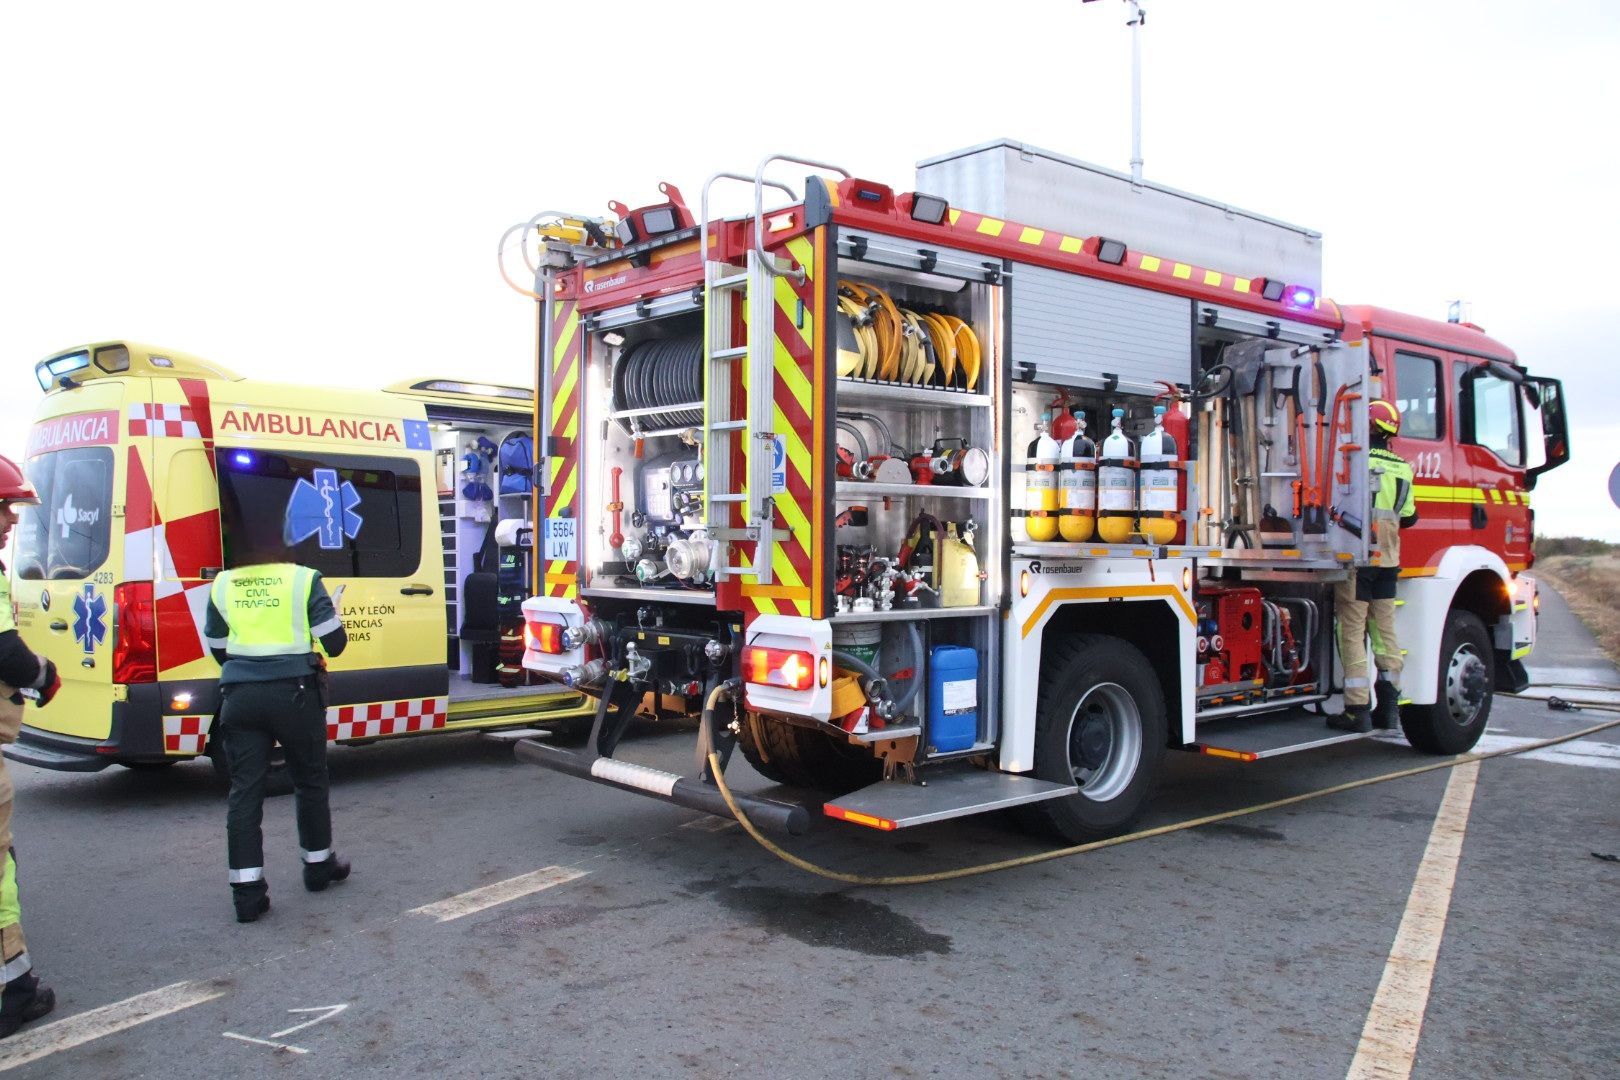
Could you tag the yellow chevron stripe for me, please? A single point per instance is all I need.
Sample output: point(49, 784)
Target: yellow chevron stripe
point(792, 379)
point(570, 327)
point(953, 214)
point(567, 494)
point(991, 227)
point(556, 467)
point(561, 393)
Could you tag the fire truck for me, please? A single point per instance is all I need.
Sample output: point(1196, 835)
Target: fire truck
point(988, 494)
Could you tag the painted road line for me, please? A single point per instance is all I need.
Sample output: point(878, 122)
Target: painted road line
point(1587, 752)
point(31, 1044)
point(288, 1047)
point(1596, 755)
point(1389, 1039)
point(476, 900)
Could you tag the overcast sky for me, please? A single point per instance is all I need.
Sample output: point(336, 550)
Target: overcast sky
point(314, 192)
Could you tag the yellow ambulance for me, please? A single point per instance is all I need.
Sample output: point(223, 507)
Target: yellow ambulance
point(152, 466)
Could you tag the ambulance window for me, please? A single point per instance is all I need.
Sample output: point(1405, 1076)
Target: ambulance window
point(69, 533)
point(1491, 405)
point(1417, 396)
point(346, 515)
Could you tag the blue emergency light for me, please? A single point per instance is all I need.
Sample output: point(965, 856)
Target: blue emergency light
point(1301, 297)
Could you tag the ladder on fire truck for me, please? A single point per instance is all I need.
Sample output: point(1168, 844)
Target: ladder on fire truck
point(752, 359)
point(724, 284)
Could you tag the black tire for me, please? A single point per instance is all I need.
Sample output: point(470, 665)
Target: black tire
point(1462, 706)
point(1123, 731)
point(802, 757)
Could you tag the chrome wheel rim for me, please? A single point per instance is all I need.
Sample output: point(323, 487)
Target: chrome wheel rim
point(1104, 741)
point(1466, 679)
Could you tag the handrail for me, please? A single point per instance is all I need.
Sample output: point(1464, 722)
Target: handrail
point(759, 203)
point(703, 203)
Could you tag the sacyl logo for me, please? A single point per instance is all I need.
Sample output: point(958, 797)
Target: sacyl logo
point(68, 516)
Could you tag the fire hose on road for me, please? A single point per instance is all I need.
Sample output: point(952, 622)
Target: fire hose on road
point(788, 857)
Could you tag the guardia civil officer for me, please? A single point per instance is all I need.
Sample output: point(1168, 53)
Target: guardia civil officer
point(1372, 590)
point(264, 619)
point(25, 998)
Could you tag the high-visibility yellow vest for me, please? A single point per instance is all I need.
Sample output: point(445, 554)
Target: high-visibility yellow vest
point(266, 608)
point(1393, 496)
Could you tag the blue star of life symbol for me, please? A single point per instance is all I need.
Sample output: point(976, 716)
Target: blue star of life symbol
point(89, 619)
point(324, 508)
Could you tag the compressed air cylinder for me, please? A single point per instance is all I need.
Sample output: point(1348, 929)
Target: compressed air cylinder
point(1077, 484)
point(1158, 498)
point(1116, 485)
point(1040, 484)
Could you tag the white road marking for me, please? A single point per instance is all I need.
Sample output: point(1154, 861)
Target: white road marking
point(476, 900)
point(326, 1011)
point(265, 1042)
point(31, 1044)
point(1597, 755)
point(1389, 1039)
point(1588, 752)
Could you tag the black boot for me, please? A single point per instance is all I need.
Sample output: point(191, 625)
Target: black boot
point(251, 900)
point(1387, 714)
point(1356, 718)
point(25, 999)
point(318, 875)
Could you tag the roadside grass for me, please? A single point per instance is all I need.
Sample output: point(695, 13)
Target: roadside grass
point(1590, 584)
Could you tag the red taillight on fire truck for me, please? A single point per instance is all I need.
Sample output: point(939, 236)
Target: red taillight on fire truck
point(545, 636)
point(789, 668)
point(134, 633)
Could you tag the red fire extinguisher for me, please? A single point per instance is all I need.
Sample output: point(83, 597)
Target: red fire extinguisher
point(1179, 428)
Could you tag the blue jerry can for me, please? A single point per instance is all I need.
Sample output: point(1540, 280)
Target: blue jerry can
point(953, 697)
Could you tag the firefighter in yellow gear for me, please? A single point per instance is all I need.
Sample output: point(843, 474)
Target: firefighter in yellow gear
point(25, 998)
point(1366, 601)
point(263, 622)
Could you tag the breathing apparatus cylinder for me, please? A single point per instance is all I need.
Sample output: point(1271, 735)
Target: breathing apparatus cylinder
point(1077, 482)
point(1040, 484)
point(1159, 499)
point(1116, 485)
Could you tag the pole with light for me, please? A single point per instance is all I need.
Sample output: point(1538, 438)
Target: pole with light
point(1137, 20)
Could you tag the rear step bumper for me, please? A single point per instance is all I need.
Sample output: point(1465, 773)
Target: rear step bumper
point(790, 818)
point(31, 751)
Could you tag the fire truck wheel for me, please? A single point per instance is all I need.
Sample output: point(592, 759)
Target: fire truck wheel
point(802, 757)
point(1454, 723)
point(1100, 725)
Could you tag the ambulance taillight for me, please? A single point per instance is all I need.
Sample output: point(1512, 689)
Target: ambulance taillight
point(134, 633)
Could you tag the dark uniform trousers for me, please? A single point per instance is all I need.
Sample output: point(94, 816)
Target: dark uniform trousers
point(254, 717)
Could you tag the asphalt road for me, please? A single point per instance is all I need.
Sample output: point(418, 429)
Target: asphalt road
point(1252, 948)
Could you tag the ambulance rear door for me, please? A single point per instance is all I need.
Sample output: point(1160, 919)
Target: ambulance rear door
point(345, 488)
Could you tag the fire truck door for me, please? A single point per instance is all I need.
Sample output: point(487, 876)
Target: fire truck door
point(1415, 381)
point(1491, 435)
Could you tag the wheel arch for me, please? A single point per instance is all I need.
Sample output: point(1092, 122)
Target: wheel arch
point(1152, 626)
point(1469, 578)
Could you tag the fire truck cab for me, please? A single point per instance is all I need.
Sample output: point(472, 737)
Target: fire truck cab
point(988, 494)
